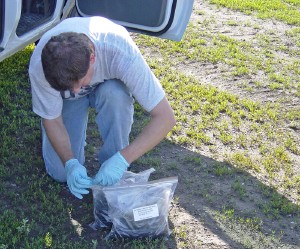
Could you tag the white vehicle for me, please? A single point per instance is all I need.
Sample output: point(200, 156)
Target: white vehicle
point(24, 21)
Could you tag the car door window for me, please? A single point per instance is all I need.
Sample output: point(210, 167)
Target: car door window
point(34, 13)
point(151, 15)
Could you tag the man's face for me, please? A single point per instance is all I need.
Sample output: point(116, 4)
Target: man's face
point(85, 81)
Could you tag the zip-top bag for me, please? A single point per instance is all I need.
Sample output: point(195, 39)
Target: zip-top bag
point(140, 210)
point(102, 220)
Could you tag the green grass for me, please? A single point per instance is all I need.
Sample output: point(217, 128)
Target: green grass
point(240, 58)
point(287, 11)
point(228, 118)
point(253, 147)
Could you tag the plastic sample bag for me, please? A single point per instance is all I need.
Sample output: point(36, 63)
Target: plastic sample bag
point(141, 209)
point(102, 220)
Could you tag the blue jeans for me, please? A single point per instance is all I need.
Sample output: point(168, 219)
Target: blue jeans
point(114, 117)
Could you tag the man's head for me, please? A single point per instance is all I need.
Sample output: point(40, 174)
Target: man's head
point(66, 59)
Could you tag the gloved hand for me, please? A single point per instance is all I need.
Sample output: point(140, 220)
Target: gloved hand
point(77, 178)
point(111, 170)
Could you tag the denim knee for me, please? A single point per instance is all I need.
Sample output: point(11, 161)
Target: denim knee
point(113, 94)
point(114, 107)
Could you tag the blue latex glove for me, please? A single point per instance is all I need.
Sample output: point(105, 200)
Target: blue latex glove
point(77, 178)
point(111, 170)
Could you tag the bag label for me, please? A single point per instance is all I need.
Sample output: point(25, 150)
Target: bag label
point(146, 212)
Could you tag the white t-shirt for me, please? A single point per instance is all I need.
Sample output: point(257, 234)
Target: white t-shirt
point(117, 57)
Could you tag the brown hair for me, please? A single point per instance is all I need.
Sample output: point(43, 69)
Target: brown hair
point(66, 59)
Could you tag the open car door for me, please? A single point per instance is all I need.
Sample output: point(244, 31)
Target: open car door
point(163, 18)
point(24, 21)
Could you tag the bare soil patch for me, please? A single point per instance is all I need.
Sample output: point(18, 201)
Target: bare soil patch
point(248, 28)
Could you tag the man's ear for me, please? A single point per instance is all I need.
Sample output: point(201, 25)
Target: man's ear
point(92, 58)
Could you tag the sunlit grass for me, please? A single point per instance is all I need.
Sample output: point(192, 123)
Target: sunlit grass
point(239, 58)
point(287, 11)
point(209, 117)
point(232, 121)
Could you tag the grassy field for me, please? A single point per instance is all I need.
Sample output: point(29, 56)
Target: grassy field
point(236, 151)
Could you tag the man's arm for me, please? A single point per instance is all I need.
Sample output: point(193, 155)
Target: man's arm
point(162, 121)
point(59, 138)
point(77, 178)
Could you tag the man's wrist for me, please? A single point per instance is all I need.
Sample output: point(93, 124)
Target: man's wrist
point(123, 159)
point(67, 158)
point(125, 153)
point(70, 162)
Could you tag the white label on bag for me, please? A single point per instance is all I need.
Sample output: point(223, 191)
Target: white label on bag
point(146, 212)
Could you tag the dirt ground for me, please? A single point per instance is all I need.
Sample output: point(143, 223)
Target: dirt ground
point(221, 19)
point(196, 212)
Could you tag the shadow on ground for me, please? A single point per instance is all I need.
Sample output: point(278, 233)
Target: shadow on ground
point(215, 205)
